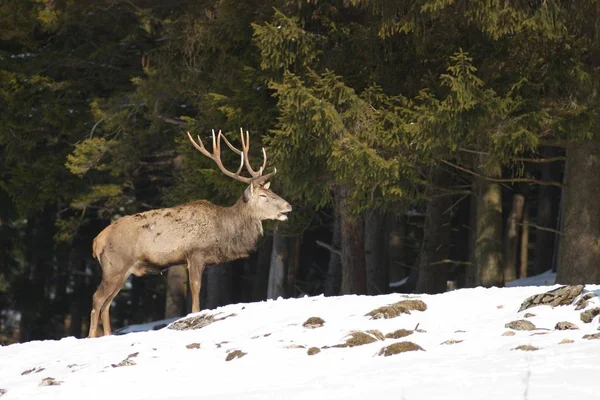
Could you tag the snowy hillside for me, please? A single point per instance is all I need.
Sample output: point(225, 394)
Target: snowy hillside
point(468, 353)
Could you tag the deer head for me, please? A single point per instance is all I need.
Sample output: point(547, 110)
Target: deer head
point(263, 203)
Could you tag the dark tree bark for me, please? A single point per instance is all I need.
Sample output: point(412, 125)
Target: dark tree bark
point(524, 262)
point(547, 215)
point(293, 266)
point(263, 264)
point(334, 270)
point(218, 285)
point(395, 227)
point(354, 277)
point(511, 240)
point(277, 271)
point(433, 272)
point(462, 240)
point(579, 251)
point(472, 272)
point(375, 260)
point(488, 229)
point(177, 291)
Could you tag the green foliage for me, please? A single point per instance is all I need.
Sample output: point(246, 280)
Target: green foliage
point(284, 44)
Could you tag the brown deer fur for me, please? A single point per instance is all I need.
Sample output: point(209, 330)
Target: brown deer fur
point(197, 234)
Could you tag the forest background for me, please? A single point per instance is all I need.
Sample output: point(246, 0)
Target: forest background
point(424, 145)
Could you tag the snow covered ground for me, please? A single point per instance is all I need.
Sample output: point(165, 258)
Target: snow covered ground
point(480, 364)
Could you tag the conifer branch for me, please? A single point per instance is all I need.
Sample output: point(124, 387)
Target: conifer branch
point(505, 180)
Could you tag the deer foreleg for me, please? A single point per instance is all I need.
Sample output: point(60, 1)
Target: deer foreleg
point(195, 269)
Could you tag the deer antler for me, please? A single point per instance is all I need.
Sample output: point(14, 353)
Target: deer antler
point(257, 176)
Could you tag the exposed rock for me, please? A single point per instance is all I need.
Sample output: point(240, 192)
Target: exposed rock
point(313, 350)
point(509, 333)
point(50, 382)
point(394, 310)
point(400, 333)
point(566, 341)
point(313, 322)
point(557, 297)
point(400, 347)
point(520, 325)
point(452, 341)
point(564, 325)
point(3, 392)
point(125, 363)
point(528, 315)
point(592, 336)
point(584, 301)
point(34, 370)
point(193, 346)
point(296, 346)
point(196, 322)
point(588, 315)
point(526, 347)
point(234, 354)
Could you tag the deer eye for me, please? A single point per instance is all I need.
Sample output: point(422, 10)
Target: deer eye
point(263, 195)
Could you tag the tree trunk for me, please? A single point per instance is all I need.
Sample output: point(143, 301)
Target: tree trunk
point(376, 267)
point(547, 215)
point(395, 246)
point(218, 285)
point(461, 240)
point(488, 229)
point(334, 270)
point(472, 272)
point(433, 272)
point(263, 264)
point(177, 292)
point(511, 240)
point(524, 245)
point(354, 277)
point(293, 265)
point(277, 272)
point(579, 251)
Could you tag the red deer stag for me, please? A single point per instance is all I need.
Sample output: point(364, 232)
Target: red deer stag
point(197, 234)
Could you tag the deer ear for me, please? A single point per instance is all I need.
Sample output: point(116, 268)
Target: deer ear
point(266, 185)
point(248, 192)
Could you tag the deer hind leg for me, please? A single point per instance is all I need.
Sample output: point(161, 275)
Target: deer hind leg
point(102, 293)
point(105, 310)
point(195, 269)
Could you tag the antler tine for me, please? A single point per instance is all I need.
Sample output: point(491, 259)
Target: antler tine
point(221, 136)
point(246, 148)
point(232, 147)
point(216, 156)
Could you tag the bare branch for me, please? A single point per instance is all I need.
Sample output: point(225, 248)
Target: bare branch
point(507, 180)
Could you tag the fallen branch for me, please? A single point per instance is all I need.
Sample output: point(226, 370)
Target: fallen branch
point(329, 247)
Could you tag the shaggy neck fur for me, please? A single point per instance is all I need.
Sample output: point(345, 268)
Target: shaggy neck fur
point(241, 229)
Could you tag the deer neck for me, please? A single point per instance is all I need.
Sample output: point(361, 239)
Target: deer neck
point(240, 224)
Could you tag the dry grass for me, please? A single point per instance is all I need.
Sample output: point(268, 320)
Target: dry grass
point(566, 341)
point(400, 347)
point(593, 336)
point(396, 309)
point(526, 347)
point(234, 354)
point(359, 338)
point(400, 333)
point(313, 350)
point(313, 322)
